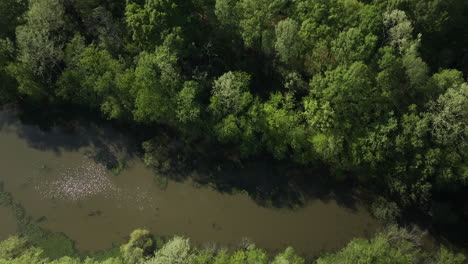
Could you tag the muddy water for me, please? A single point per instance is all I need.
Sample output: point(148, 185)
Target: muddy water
point(55, 177)
point(7, 224)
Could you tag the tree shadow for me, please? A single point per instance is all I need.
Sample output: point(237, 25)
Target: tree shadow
point(270, 183)
point(64, 132)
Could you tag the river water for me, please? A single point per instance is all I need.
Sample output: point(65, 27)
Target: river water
point(55, 176)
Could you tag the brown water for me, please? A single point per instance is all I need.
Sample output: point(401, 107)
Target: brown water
point(53, 175)
point(7, 224)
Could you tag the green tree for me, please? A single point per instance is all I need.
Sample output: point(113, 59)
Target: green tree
point(257, 22)
point(93, 78)
point(284, 130)
point(352, 45)
point(176, 251)
point(188, 107)
point(230, 94)
point(288, 257)
point(156, 85)
point(42, 39)
point(448, 115)
point(10, 12)
point(140, 245)
point(385, 248)
point(288, 44)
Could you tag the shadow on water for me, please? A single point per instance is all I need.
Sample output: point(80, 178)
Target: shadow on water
point(267, 181)
point(63, 131)
point(270, 183)
point(275, 184)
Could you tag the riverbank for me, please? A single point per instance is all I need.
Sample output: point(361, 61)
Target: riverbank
point(57, 178)
point(72, 145)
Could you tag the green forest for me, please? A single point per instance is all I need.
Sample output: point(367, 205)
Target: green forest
point(375, 91)
point(394, 245)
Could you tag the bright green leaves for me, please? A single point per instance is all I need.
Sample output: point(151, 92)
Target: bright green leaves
point(377, 145)
point(177, 251)
point(156, 86)
point(284, 130)
point(149, 23)
point(340, 106)
point(95, 79)
point(445, 79)
point(446, 256)
point(288, 257)
point(389, 78)
point(254, 19)
point(257, 19)
point(349, 95)
point(352, 45)
point(390, 247)
point(188, 107)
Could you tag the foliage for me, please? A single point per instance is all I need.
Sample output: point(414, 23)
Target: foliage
point(370, 88)
point(40, 40)
point(139, 246)
point(177, 251)
point(394, 245)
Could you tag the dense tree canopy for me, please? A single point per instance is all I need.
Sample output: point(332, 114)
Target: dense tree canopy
point(375, 88)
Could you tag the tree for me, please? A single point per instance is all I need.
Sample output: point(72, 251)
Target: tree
point(448, 115)
point(443, 80)
point(139, 246)
point(157, 83)
point(10, 12)
point(341, 99)
point(188, 108)
point(93, 78)
point(227, 12)
point(230, 94)
point(389, 78)
point(445, 256)
point(12, 247)
point(8, 89)
point(283, 130)
point(400, 30)
point(352, 45)
point(288, 257)
point(385, 248)
point(257, 21)
point(176, 251)
point(288, 44)
point(43, 37)
point(151, 21)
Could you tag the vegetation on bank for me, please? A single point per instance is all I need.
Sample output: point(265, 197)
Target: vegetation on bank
point(34, 245)
point(393, 246)
point(375, 88)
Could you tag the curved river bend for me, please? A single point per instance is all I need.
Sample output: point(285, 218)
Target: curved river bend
point(54, 176)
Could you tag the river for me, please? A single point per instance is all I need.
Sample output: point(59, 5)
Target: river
point(55, 176)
